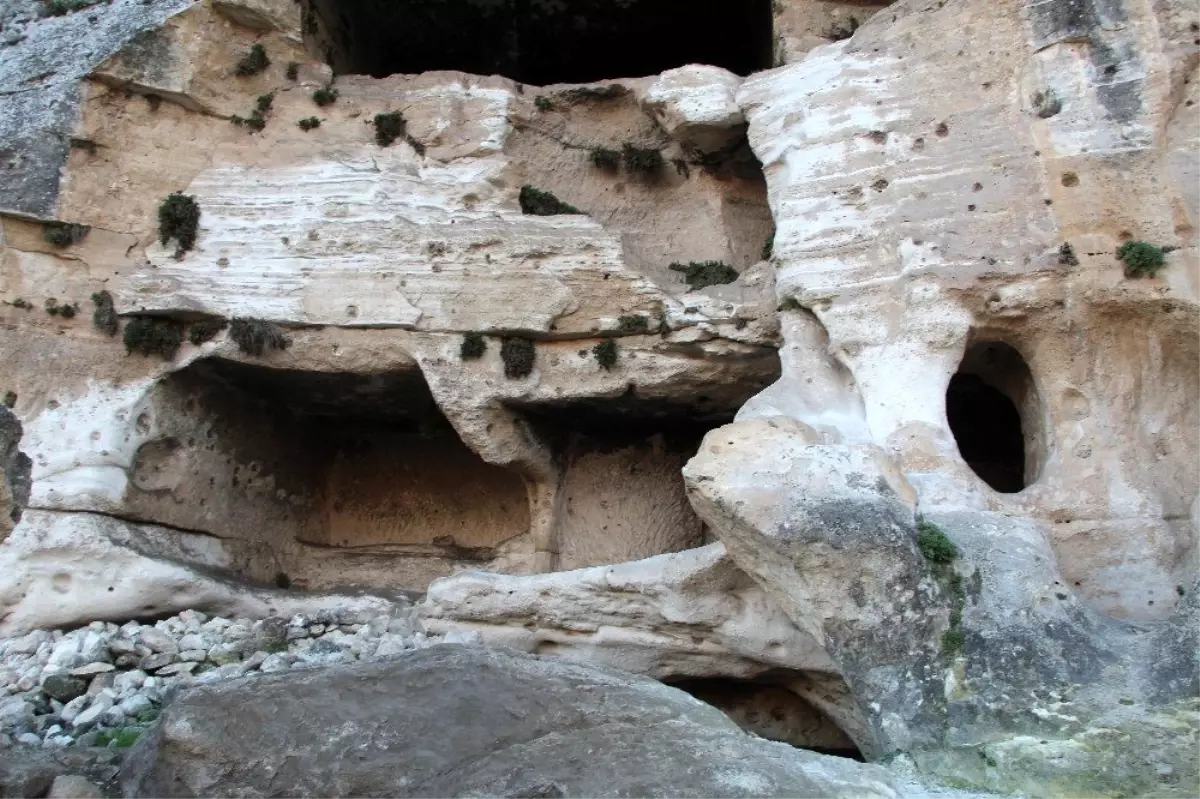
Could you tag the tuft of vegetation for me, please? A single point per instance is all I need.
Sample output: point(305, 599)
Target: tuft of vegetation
point(258, 117)
point(389, 126)
point(282, 580)
point(473, 346)
point(939, 551)
point(1066, 255)
point(606, 354)
point(790, 304)
point(543, 103)
point(842, 30)
point(179, 219)
point(1046, 104)
point(605, 158)
point(518, 355)
point(206, 330)
point(934, 545)
point(702, 274)
point(105, 315)
point(293, 71)
point(326, 95)
point(148, 335)
point(309, 123)
point(120, 738)
point(256, 336)
point(646, 160)
point(64, 234)
point(1141, 259)
point(60, 8)
point(253, 62)
point(542, 203)
point(768, 251)
point(65, 310)
point(10, 399)
point(21, 302)
point(635, 323)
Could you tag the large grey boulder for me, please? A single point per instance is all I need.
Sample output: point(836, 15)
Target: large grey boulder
point(469, 721)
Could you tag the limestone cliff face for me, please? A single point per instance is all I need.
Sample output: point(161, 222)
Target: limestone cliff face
point(955, 293)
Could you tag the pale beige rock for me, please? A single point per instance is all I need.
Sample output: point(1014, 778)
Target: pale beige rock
point(695, 104)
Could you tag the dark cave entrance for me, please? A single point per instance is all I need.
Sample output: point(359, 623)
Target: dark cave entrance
point(994, 414)
point(539, 42)
point(772, 711)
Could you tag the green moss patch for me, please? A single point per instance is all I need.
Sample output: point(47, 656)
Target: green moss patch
point(606, 353)
point(178, 219)
point(148, 335)
point(518, 355)
point(64, 234)
point(256, 336)
point(1141, 259)
point(536, 202)
point(473, 346)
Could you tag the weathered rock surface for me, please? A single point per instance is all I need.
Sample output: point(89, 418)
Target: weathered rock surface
point(453, 721)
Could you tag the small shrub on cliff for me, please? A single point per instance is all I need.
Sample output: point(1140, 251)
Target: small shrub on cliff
point(10, 399)
point(543, 103)
point(645, 160)
point(634, 323)
point(790, 304)
point(934, 545)
point(473, 346)
point(768, 250)
point(604, 158)
point(206, 330)
point(1141, 259)
point(606, 354)
point(179, 219)
point(293, 71)
point(324, 96)
point(536, 202)
point(389, 126)
point(105, 315)
point(65, 310)
point(309, 123)
point(21, 302)
point(64, 234)
point(256, 336)
point(518, 355)
point(147, 335)
point(702, 274)
point(253, 62)
point(1066, 255)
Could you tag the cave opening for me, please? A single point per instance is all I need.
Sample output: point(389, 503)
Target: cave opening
point(539, 42)
point(994, 413)
point(321, 480)
point(770, 710)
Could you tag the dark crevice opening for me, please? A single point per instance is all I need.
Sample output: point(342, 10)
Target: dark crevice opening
point(539, 42)
point(771, 711)
point(991, 406)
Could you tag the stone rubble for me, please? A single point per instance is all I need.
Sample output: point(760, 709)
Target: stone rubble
point(104, 684)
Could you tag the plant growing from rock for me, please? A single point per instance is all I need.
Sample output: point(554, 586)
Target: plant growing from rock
point(10, 399)
point(790, 304)
point(939, 551)
point(326, 95)
point(518, 355)
point(179, 219)
point(293, 71)
point(256, 336)
point(606, 354)
point(580, 94)
point(633, 323)
point(389, 126)
point(64, 234)
point(605, 158)
point(536, 202)
point(65, 310)
point(543, 103)
point(645, 160)
point(148, 335)
point(258, 117)
point(21, 302)
point(1066, 255)
point(702, 274)
point(1141, 259)
point(253, 62)
point(768, 250)
point(309, 123)
point(206, 330)
point(473, 346)
point(104, 318)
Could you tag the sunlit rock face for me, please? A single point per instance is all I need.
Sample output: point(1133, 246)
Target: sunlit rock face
point(841, 352)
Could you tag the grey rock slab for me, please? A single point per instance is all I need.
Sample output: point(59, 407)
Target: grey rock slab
point(504, 723)
point(92, 669)
point(73, 786)
point(64, 688)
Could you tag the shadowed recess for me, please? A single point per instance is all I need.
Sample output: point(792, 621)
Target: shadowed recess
point(539, 41)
